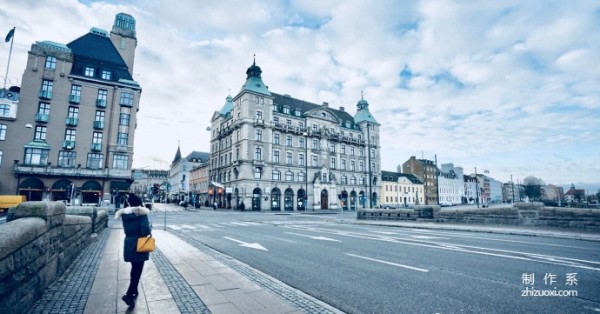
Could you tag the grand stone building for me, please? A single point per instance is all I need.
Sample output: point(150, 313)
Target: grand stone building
point(71, 135)
point(274, 152)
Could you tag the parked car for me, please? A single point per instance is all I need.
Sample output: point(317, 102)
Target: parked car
point(388, 206)
point(445, 204)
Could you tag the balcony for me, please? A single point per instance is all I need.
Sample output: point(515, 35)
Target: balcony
point(71, 121)
point(99, 125)
point(101, 103)
point(259, 122)
point(45, 94)
point(40, 117)
point(96, 147)
point(74, 99)
point(68, 144)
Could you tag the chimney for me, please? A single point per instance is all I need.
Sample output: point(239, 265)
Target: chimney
point(342, 108)
point(325, 104)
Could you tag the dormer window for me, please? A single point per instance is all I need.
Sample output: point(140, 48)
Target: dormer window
point(286, 110)
point(106, 75)
point(89, 71)
point(348, 124)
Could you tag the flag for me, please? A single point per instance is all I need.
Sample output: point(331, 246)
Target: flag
point(10, 35)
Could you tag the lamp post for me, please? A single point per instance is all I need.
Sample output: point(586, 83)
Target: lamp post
point(306, 170)
point(476, 188)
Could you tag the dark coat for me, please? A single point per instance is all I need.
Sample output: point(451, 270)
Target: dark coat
point(135, 225)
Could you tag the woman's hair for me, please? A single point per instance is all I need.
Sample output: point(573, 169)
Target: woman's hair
point(132, 200)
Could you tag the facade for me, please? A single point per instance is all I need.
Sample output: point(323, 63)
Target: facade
point(274, 152)
point(495, 191)
point(427, 172)
point(510, 192)
point(400, 190)
point(473, 190)
point(574, 196)
point(144, 181)
point(451, 186)
point(178, 186)
point(555, 193)
point(199, 184)
point(73, 134)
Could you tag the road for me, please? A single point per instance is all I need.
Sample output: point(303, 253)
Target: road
point(376, 269)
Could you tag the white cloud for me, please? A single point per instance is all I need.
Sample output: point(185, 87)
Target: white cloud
point(492, 83)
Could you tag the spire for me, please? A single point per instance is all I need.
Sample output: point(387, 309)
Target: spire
point(177, 154)
point(254, 81)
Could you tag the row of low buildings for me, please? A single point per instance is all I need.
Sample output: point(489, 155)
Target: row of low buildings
point(68, 133)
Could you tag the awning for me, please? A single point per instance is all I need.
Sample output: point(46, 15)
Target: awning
point(41, 144)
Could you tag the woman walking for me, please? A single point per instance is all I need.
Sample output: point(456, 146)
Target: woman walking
point(135, 225)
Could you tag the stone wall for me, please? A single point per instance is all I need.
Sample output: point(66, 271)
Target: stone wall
point(37, 244)
point(521, 214)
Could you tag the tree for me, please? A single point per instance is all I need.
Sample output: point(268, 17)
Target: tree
point(532, 188)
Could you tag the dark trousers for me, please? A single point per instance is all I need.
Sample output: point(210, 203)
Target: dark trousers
point(134, 277)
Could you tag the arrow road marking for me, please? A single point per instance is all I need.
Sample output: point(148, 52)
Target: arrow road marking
point(246, 244)
point(389, 263)
point(316, 238)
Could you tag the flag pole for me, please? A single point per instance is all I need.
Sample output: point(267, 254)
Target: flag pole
point(12, 39)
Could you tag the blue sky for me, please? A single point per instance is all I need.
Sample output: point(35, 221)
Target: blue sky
point(507, 86)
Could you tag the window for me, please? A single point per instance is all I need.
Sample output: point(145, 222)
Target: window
point(106, 75)
point(361, 152)
point(343, 149)
point(288, 140)
point(122, 138)
point(276, 138)
point(36, 156)
point(289, 158)
point(276, 120)
point(315, 144)
point(2, 132)
point(75, 95)
point(373, 167)
point(361, 166)
point(259, 115)
point(237, 136)
point(332, 163)
point(124, 116)
point(324, 177)
point(353, 180)
point(88, 71)
point(258, 135)
point(314, 160)
point(352, 165)
point(372, 153)
point(97, 138)
point(258, 153)
point(102, 98)
point(50, 62)
point(276, 175)
point(257, 173)
point(120, 161)
point(301, 125)
point(301, 142)
point(70, 135)
point(94, 161)
point(99, 116)
point(361, 181)
point(126, 99)
point(286, 110)
point(344, 180)
point(301, 160)
point(359, 137)
point(259, 100)
point(73, 113)
point(289, 176)
point(332, 148)
point(276, 156)
point(343, 165)
point(44, 108)
point(351, 150)
point(301, 177)
point(66, 158)
point(314, 128)
point(4, 110)
point(46, 91)
point(40, 132)
point(288, 123)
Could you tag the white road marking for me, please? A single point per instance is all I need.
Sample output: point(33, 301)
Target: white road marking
point(389, 263)
point(280, 239)
point(248, 245)
point(175, 227)
point(315, 238)
point(188, 227)
point(203, 226)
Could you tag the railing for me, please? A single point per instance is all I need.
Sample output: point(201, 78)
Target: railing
point(74, 99)
point(98, 125)
point(96, 147)
point(40, 117)
point(71, 121)
point(101, 103)
point(45, 94)
point(68, 144)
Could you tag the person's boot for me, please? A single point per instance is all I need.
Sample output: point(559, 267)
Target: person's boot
point(129, 300)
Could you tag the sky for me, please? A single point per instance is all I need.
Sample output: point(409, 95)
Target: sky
point(507, 87)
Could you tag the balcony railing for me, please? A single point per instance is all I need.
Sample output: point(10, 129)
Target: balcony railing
point(101, 103)
point(45, 94)
point(72, 172)
point(71, 121)
point(74, 99)
point(68, 144)
point(98, 125)
point(96, 147)
point(41, 117)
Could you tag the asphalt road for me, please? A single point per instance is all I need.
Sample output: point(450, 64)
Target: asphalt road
point(373, 269)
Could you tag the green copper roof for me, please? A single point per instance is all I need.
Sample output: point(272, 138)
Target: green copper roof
point(227, 107)
point(254, 81)
point(41, 144)
point(362, 112)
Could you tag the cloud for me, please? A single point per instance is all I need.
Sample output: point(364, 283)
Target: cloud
point(481, 84)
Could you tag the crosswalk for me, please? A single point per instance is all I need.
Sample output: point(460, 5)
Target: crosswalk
point(209, 227)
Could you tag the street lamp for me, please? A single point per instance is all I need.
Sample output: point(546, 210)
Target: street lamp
point(306, 170)
point(370, 197)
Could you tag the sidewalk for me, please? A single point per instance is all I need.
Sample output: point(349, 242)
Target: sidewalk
point(178, 278)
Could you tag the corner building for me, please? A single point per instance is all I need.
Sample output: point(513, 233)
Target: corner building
point(73, 134)
point(277, 153)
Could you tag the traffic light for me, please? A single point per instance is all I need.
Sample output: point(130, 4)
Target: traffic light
point(155, 189)
point(339, 196)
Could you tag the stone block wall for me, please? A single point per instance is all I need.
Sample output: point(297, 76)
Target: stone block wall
point(37, 244)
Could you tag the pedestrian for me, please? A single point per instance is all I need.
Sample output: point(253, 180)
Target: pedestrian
point(215, 206)
point(135, 225)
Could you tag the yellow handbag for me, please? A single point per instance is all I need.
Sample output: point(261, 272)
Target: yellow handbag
point(145, 244)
